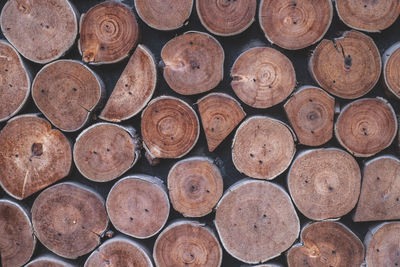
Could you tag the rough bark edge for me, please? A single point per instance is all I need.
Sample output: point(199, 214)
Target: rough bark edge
point(385, 58)
point(52, 258)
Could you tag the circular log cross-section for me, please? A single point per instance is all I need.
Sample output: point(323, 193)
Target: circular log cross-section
point(262, 147)
point(69, 219)
point(225, 17)
point(195, 185)
point(108, 32)
point(293, 24)
point(256, 221)
point(263, 77)
point(194, 63)
point(33, 156)
point(185, 244)
point(311, 111)
point(138, 206)
point(347, 67)
point(66, 92)
point(366, 126)
point(17, 241)
point(48, 261)
point(40, 30)
point(326, 244)
point(391, 69)
point(324, 183)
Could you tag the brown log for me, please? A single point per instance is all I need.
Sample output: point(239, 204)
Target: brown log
point(33, 156)
point(40, 30)
point(391, 69)
point(366, 126)
point(187, 243)
point(263, 147)
point(194, 63)
point(48, 261)
point(134, 88)
point(347, 67)
point(311, 111)
point(295, 24)
point(69, 219)
point(108, 32)
point(195, 185)
point(256, 221)
point(263, 77)
point(138, 206)
point(220, 114)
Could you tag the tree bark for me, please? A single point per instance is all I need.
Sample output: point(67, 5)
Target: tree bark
point(48, 261)
point(391, 69)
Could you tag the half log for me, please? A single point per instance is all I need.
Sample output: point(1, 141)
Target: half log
point(48, 261)
point(391, 69)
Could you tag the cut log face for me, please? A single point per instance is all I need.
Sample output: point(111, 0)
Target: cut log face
point(263, 77)
point(108, 32)
point(40, 30)
point(187, 243)
point(295, 24)
point(32, 156)
point(226, 18)
point(17, 241)
point(391, 69)
point(194, 63)
point(347, 67)
point(324, 183)
point(69, 219)
point(263, 147)
point(219, 114)
point(134, 88)
point(326, 244)
point(138, 206)
point(366, 126)
point(48, 261)
point(66, 92)
point(195, 185)
point(311, 112)
point(256, 221)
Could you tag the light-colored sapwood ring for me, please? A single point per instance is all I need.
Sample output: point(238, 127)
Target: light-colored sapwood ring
point(48, 260)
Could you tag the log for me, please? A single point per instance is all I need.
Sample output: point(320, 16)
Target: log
point(108, 32)
point(347, 67)
point(193, 63)
point(324, 183)
point(366, 126)
point(67, 92)
point(263, 77)
point(187, 243)
point(263, 147)
point(195, 185)
point(295, 25)
point(391, 61)
point(311, 112)
point(326, 243)
point(17, 241)
point(256, 221)
point(226, 18)
point(33, 156)
point(220, 114)
point(134, 88)
point(138, 205)
point(69, 219)
point(48, 261)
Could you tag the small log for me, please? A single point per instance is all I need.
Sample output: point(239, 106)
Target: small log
point(391, 69)
point(69, 219)
point(220, 114)
point(108, 32)
point(263, 147)
point(195, 185)
point(66, 92)
point(48, 261)
point(311, 112)
point(256, 221)
point(134, 88)
point(295, 24)
point(226, 18)
point(194, 63)
point(41, 31)
point(33, 156)
point(138, 206)
point(17, 241)
point(366, 126)
point(263, 77)
point(187, 243)
point(347, 67)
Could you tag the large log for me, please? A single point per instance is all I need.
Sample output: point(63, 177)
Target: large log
point(391, 69)
point(48, 261)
